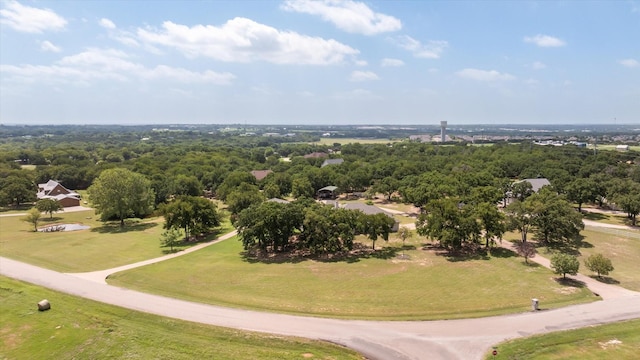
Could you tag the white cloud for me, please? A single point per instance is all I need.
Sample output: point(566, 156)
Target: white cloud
point(391, 62)
point(48, 46)
point(537, 65)
point(356, 94)
point(631, 63)
point(363, 76)
point(350, 16)
point(107, 24)
point(244, 40)
point(484, 75)
point(30, 19)
point(361, 63)
point(431, 50)
point(544, 41)
point(111, 64)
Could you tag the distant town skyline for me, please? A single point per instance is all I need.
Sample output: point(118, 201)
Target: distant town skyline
point(319, 62)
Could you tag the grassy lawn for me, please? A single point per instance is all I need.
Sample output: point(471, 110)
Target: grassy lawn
point(607, 218)
point(612, 341)
point(101, 247)
point(380, 286)
point(622, 247)
point(77, 328)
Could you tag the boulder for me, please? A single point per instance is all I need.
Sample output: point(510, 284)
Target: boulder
point(44, 305)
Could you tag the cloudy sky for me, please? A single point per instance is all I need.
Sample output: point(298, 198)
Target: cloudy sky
point(319, 62)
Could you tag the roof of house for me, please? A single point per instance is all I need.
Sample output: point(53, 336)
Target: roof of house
point(332, 162)
point(328, 188)
point(366, 209)
point(279, 200)
point(536, 184)
point(316, 155)
point(260, 174)
point(46, 188)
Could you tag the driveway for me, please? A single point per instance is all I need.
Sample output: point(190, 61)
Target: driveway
point(384, 340)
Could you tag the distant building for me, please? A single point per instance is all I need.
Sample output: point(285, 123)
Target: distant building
point(260, 174)
point(332, 162)
point(54, 190)
point(372, 210)
point(536, 184)
point(622, 147)
point(315, 155)
point(327, 192)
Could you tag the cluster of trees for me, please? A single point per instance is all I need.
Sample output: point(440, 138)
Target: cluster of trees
point(306, 225)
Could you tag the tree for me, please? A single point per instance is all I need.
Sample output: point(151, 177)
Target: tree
point(16, 190)
point(269, 225)
point(554, 218)
point(450, 222)
point(522, 190)
point(242, 197)
point(526, 250)
point(492, 222)
point(520, 217)
point(387, 186)
point(598, 263)
point(376, 225)
point(187, 185)
point(192, 214)
point(120, 193)
point(404, 234)
point(565, 264)
point(301, 187)
point(581, 191)
point(48, 206)
point(170, 238)
point(33, 217)
point(271, 191)
point(630, 204)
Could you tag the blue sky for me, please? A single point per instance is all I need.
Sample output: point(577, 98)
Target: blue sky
point(319, 62)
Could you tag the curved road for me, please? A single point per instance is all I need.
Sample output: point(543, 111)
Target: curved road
point(384, 340)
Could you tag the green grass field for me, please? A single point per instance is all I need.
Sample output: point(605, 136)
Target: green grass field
point(608, 218)
point(427, 286)
point(622, 247)
point(618, 341)
point(102, 246)
point(77, 328)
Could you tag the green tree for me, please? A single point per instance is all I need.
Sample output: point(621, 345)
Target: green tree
point(33, 217)
point(599, 264)
point(271, 191)
point(269, 225)
point(522, 190)
point(581, 191)
point(450, 222)
point(187, 185)
point(630, 203)
point(554, 218)
point(520, 217)
point(301, 187)
point(120, 193)
point(170, 238)
point(565, 264)
point(242, 197)
point(376, 225)
point(16, 190)
point(232, 181)
point(48, 206)
point(492, 222)
point(192, 214)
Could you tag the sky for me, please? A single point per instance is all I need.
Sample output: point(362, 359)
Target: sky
point(303, 62)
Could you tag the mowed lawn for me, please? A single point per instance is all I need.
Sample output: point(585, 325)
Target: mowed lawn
point(620, 341)
point(77, 328)
point(621, 246)
point(428, 286)
point(102, 246)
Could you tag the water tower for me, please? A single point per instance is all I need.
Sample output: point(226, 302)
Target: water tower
point(443, 131)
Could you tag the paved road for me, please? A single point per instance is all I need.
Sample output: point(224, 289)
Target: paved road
point(453, 339)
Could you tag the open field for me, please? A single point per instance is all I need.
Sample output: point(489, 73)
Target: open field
point(378, 286)
point(102, 246)
point(610, 147)
point(622, 247)
point(78, 328)
point(612, 341)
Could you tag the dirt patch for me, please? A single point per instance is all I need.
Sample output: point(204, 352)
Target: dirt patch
point(307, 355)
point(567, 290)
point(610, 343)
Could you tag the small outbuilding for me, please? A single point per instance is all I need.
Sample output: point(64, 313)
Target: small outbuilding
point(331, 162)
point(327, 192)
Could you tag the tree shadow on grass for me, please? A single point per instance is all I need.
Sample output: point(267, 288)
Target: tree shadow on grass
point(605, 279)
point(466, 253)
point(500, 252)
point(594, 216)
point(115, 228)
point(359, 251)
point(54, 219)
point(570, 282)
